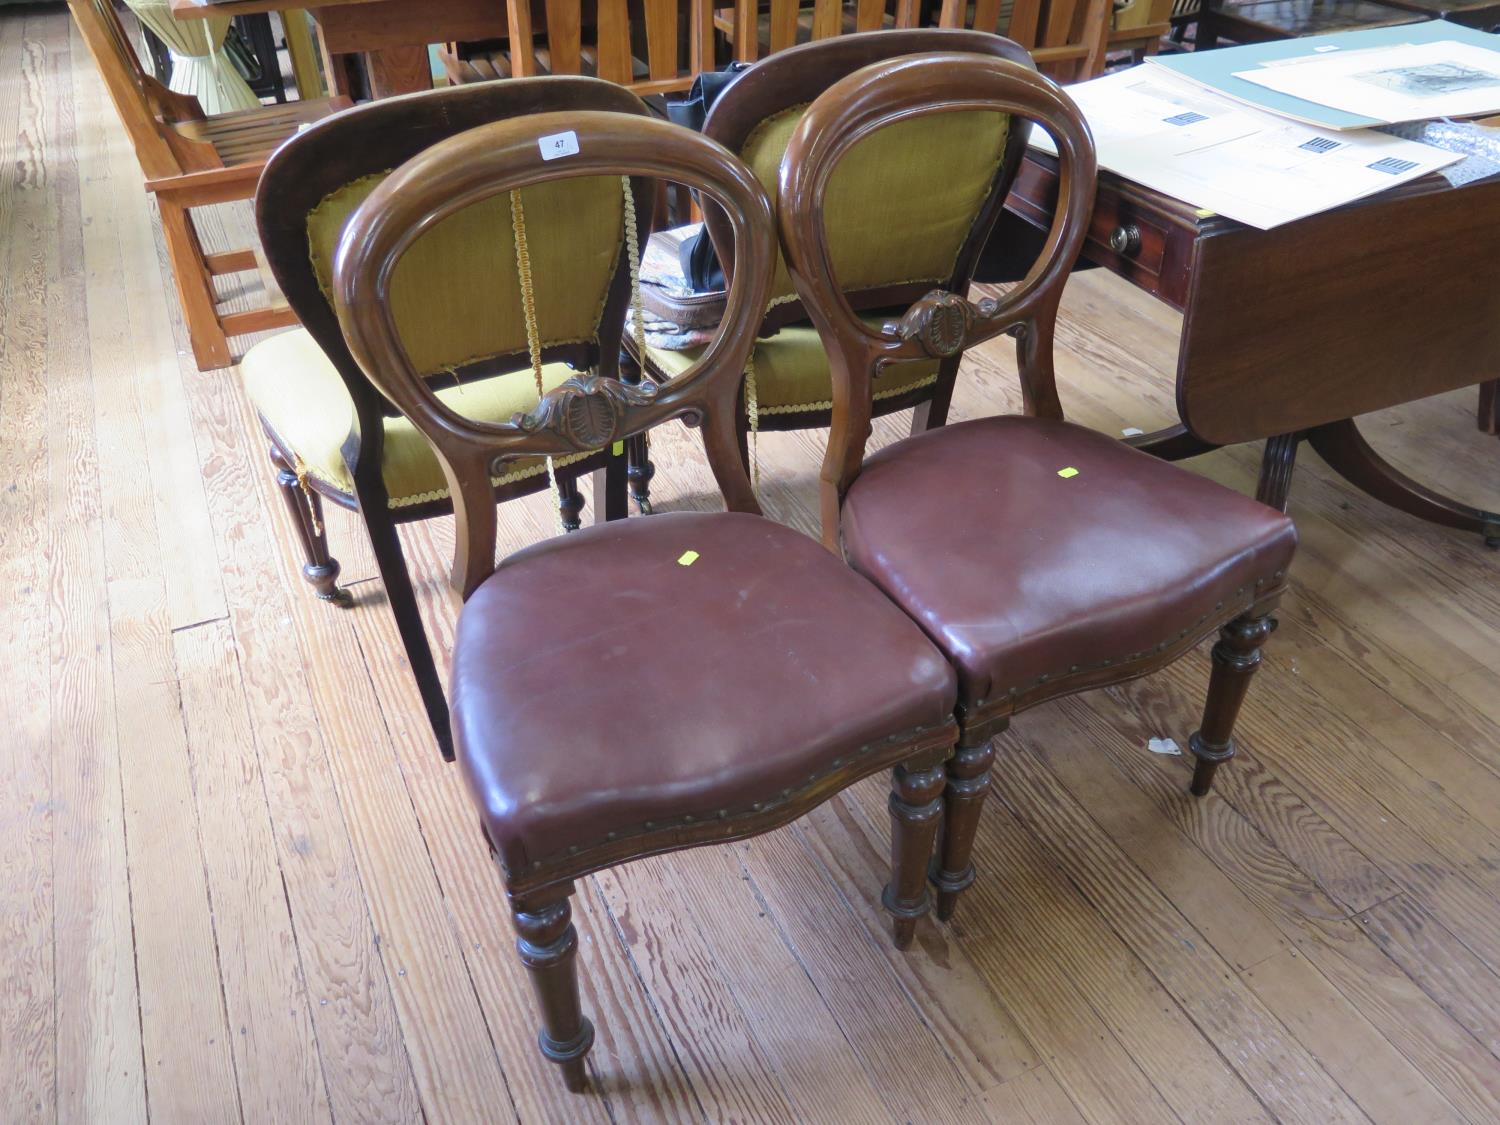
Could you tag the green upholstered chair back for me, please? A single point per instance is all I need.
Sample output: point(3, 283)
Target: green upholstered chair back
point(458, 290)
point(909, 206)
point(456, 294)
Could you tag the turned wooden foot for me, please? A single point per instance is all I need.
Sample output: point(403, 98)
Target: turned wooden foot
point(967, 786)
point(548, 945)
point(916, 811)
point(321, 569)
point(569, 502)
point(1236, 656)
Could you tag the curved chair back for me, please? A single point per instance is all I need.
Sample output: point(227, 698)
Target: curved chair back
point(915, 205)
point(943, 323)
point(480, 168)
point(457, 298)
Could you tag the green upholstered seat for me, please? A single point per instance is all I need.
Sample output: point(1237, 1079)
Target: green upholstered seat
point(306, 405)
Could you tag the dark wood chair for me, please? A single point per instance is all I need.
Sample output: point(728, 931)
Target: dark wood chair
point(1043, 558)
point(902, 253)
point(649, 684)
point(191, 160)
point(333, 436)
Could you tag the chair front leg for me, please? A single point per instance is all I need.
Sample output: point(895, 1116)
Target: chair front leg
point(548, 945)
point(1236, 656)
point(968, 785)
point(916, 811)
point(321, 569)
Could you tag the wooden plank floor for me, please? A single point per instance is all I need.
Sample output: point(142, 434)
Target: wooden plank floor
point(236, 882)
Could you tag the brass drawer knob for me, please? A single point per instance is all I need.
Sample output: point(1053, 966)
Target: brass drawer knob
point(1126, 240)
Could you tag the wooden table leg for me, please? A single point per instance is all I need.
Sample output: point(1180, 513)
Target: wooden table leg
point(1348, 454)
point(398, 70)
point(1276, 465)
point(1489, 407)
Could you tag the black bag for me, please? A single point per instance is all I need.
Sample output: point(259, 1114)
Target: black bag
point(700, 265)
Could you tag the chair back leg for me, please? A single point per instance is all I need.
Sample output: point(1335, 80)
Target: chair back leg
point(394, 574)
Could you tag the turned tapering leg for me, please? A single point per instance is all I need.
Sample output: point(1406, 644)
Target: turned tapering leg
point(638, 467)
point(963, 796)
point(916, 811)
point(1236, 656)
point(321, 569)
point(569, 502)
point(548, 945)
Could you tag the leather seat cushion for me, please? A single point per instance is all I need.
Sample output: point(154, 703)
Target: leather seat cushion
point(300, 395)
point(791, 370)
point(599, 683)
point(1017, 572)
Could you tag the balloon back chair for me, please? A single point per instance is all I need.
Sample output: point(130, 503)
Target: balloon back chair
point(648, 684)
point(1043, 558)
point(960, 168)
point(333, 436)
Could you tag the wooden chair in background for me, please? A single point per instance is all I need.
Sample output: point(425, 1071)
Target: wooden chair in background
point(192, 160)
point(648, 46)
point(1043, 558)
point(651, 684)
point(894, 248)
point(1066, 39)
point(333, 436)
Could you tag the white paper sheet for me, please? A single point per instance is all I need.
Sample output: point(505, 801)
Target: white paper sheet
point(1216, 154)
point(1410, 82)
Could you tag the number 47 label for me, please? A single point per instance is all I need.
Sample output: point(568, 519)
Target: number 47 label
point(558, 145)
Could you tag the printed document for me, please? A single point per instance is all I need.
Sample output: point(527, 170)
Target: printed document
point(1263, 170)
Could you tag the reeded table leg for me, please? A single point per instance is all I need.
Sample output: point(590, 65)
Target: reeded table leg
point(548, 945)
point(916, 810)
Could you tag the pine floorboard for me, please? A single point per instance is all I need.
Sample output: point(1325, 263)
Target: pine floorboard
point(237, 883)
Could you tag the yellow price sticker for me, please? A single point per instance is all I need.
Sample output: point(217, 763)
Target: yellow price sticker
point(618, 448)
point(1068, 472)
point(687, 558)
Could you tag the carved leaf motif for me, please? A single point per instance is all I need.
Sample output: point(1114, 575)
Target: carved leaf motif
point(587, 411)
point(940, 322)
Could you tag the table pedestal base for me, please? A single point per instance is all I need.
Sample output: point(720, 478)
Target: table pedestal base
point(1347, 453)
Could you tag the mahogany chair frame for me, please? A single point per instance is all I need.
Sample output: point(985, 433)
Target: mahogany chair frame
point(582, 412)
point(798, 76)
point(943, 324)
point(191, 160)
point(371, 139)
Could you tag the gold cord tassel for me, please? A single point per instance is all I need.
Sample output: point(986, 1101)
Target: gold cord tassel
point(637, 308)
point(533, 333)
point(752, 408)
point(299, 467)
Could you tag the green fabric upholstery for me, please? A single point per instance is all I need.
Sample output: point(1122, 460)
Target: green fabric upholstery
point(900, 203)
point(456, 294)
point(301, 397)
point(791, 371)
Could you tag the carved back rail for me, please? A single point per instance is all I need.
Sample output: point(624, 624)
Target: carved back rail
point(587, 411)
point(941, 324)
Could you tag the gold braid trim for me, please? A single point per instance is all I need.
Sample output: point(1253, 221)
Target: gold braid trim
point(637, 308)
point(533, 333)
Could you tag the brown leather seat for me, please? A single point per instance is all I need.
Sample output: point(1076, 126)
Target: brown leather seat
point(601, 688)
point(1023, 576)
